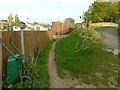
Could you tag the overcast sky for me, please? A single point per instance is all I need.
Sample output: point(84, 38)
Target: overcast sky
point(44, 11)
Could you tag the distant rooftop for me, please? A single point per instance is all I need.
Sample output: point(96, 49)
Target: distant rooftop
point(3, 20)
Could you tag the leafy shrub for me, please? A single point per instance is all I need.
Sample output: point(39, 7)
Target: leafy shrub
point(90, 34)
point(86, 36)
point(6, 82)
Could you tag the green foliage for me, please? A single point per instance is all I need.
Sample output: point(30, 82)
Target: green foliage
point(90, 34)
point(13, 21)
point(86, 36)
point(69, 20)
point(119, 80)
point(85, 63)
point(6, 83)
point(10, 20)
point(102, 12)
point(36, 23)
point(7, 27)
point(39, 71)
point(17, 21)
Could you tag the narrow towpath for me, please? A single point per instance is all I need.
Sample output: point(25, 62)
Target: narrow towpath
point(56, 81)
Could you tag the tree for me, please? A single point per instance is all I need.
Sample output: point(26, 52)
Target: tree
point(102, 12)
point(10, 20)
point(13, 21)
point(69, 20)
point(36, 23)
point(17, 21)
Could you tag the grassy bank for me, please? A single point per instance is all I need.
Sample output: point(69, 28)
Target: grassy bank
point(92, 66)
point(38, 71)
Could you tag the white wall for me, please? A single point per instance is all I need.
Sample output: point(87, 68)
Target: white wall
point(37, 28)
point(43, 28)
point(16, 28)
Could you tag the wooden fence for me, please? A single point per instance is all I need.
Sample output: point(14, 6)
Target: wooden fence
point(62, 28)
point(33, 41)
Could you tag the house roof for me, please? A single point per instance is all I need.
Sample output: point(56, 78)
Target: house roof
point(4, 20)
point(3, 23)
point(45, 25)
point(33, 24)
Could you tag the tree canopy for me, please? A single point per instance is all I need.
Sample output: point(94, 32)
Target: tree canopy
point(102, 12)
point(17, 21)
point(69, 20)
point(10, 20)
point(13, 21)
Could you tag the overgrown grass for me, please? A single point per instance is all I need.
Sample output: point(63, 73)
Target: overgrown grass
point(85, 64)
point(38, 71)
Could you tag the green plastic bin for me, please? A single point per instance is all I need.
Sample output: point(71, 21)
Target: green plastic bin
point(13, 67)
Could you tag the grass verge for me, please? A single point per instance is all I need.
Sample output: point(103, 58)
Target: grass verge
point(38, 72)
point(93, 65)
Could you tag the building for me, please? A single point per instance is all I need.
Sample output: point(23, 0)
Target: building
point(37, 27)
point(3, 23)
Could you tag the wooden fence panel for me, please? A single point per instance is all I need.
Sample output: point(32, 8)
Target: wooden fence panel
point(62, 28)
point(15, 36)
point(33, 40)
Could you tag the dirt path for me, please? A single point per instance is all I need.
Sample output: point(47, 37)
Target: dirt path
point(56, 81)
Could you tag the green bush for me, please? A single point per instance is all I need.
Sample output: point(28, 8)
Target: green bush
point(90, 34)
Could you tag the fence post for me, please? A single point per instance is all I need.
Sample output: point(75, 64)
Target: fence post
point(22, 40)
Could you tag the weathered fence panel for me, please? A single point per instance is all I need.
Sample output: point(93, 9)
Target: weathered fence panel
point(62, 28)
point(33, 41)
